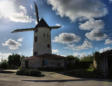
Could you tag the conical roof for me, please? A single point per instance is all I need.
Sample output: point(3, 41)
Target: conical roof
point(42, 23)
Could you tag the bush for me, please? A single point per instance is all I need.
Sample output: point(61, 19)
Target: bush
point(29, 72)
point(34, 72)
point(22, 72)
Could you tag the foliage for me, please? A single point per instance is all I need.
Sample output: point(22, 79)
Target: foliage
point(84, 65)
point(70, 57)
point(91, 68)
point(29, 72)
point(71, 62)
point(88, 58)
point(15, 60)
point(4, 64)
point(76, 63)
point(97, 56)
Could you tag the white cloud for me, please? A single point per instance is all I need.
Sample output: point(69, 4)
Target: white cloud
point(8, 10)
point(105, 49)
point(84, 9)
point(77, 54)
point(79, 8)
point(110, 1)
point(55, 51)
point(108, 41)
point(4, 56)
point(85, 45)
point(96, 34)
point(95, 27)
point(20, 40)
point(58, 25)
point(66, 38)
point(92, 24)
point(12, 44)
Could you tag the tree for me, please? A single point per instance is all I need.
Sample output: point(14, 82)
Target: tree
point(88, 58)
point(72, 58)
point(4, 64)
point(14, 60)
point(71, 61)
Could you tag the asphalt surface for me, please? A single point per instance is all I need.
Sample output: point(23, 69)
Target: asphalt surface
point(50, 79)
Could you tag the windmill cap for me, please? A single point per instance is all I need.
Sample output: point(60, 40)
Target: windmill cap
point(42, 23)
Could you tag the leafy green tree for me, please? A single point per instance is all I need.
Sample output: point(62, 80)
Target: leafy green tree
point(72, 58)
point(4, 64)
point(14, 60)
point(71, 61)
point(88, 58)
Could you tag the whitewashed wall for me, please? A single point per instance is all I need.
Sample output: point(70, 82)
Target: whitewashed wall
point(43, 39)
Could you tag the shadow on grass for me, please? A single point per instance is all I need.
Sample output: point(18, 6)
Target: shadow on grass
point(4, 71)
point(65, 80)
point(81, 73)
point(42, 75)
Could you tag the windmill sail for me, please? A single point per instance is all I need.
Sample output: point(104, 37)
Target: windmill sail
point(36, 11)
point(22, 30)
point(55, 27)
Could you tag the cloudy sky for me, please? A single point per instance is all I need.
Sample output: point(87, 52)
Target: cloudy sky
point(86, 26)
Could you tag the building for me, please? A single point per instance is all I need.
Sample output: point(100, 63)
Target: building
point(42, 54)
point(103, 63)
point(42, 39)
point(44, 61)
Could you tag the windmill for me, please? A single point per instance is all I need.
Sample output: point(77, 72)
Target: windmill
point(42, 35)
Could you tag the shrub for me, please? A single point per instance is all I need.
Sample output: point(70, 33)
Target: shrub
point(34, 72)
point(29, 72)
point(22, 72)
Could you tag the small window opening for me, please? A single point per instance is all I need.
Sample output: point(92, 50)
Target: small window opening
point(35, 53)
point(35, 38)
point(36, 30)
point(48, 45)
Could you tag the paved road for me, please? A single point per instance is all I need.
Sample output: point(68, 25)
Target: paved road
point(51, 79)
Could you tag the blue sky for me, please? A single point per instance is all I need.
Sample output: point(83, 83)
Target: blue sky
point(86, 26)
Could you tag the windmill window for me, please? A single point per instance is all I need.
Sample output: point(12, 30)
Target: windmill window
point(48, 45)
point(35, 53)
point(36, 30)
point(35, 38)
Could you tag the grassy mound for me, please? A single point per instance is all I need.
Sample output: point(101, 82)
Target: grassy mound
point(29, 72)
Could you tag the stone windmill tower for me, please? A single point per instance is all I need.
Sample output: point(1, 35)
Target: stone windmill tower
point(42, 35)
